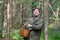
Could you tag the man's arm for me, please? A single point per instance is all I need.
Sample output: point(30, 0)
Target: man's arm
point(26, 24)
point(36, 26)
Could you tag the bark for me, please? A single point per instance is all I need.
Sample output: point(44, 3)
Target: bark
point(46, 19)
point(4, 20)
point(9, 18)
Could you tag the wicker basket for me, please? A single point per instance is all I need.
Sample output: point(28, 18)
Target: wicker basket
point(24, 32)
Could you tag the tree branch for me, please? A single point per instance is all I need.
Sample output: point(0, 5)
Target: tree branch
point(52, 9)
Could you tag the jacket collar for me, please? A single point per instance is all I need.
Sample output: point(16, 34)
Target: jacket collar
point(36, 18)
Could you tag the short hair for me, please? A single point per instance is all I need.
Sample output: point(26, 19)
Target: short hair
point(34, 9)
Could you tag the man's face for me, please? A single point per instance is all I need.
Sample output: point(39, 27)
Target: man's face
point(36, 12)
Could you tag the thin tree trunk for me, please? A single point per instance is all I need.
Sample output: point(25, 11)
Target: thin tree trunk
point(4, 28)
point(46, 19)
point(18, 11)
point(9, 18)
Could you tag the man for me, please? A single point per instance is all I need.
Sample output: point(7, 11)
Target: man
point(35, 25)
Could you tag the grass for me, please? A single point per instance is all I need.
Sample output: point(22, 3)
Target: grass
point(54, 34)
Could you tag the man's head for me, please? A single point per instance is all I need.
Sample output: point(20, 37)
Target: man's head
point(35, 12)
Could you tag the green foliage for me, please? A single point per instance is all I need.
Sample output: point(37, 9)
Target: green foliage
point(54, 34)
point(15, 35)
point(1, 17)
point(32, 3)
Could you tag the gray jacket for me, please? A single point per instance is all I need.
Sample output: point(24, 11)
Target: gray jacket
point(35, 30)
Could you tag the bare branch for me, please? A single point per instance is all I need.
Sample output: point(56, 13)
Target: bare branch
point(52, 9)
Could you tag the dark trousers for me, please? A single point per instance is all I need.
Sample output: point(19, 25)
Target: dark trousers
point(31, 39)
point(26, 38)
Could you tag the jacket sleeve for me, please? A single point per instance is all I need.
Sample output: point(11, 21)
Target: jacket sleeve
point(27, 22)
point(37, 26)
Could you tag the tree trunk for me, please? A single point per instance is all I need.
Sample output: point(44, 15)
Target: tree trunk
point(46, 19)
point(9, 18)
point(4, 28)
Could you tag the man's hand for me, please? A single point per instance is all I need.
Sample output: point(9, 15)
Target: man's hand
point(29, 25)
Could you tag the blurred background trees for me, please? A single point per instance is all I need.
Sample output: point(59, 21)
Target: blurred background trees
point(14, 13)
